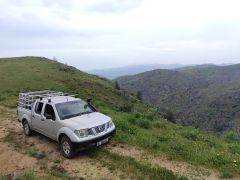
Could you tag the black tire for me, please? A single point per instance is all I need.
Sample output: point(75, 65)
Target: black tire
point(67, 147)
point(26, 128)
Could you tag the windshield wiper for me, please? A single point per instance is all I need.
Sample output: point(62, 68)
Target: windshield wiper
point(74, 115)
point(86, 112)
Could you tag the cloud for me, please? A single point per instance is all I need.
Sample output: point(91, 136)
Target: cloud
point(121, 30)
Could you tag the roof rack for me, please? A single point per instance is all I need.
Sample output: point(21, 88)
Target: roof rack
point(26, 100)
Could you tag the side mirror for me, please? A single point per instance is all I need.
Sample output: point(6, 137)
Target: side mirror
point(49, 117)
point(89, 101)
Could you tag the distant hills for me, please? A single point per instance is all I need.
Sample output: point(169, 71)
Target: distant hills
point(204, 96)
point(113, 73)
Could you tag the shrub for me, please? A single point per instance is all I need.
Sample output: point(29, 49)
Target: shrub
point(219, 160)
point(160, 124)
point(144, 123)
point(191, 134)
point(170, 117)
point(139, 95)
point(231, 137)
point(140, 122)
point(117, 85)
point(125, 127)
point(234, 148)
point(163, 138)
point(126, 107)
point(226, 175)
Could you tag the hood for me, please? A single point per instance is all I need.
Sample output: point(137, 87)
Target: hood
point(86, 121)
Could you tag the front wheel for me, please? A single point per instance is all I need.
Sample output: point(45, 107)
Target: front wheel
point(26, 129)
point(67, 148)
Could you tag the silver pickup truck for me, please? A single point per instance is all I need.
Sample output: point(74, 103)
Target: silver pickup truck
point(70, 121)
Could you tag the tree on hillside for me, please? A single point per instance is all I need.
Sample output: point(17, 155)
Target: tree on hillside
point(139, 95)
point(170, 117)
point(117, 85)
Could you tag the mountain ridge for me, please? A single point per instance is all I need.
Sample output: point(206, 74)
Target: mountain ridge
point(192, 94)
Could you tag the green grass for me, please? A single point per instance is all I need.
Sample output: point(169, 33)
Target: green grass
point(58, 171)
point(3, 177)
point(133, 167)
point(137, 124)
point(28, 175)
point(32, 73)
point(181, 143)
point(35, 153)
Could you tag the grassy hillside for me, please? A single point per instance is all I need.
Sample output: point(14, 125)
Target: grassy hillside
point(33, 73)
point(206, 97)
point(140, 128)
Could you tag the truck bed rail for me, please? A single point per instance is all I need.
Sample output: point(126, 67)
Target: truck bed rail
point(26, 99)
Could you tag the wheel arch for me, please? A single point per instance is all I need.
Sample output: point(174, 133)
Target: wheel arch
point(64, 131)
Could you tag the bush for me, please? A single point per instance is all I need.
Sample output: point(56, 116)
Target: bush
point(139, 95)
point(219, 160)
point(226, 175)
point(144, 124)
point(231, 137)
point(170, 117)
point(126, 107)
point(191, 135)
point(163, 138)
point(125, 127)
point(160, 124)
point(140, 122)
point(117, 85)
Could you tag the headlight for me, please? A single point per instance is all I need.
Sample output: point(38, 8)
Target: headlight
point(81, 133)
point(110, 124)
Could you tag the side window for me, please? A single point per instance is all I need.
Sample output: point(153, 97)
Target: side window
point(49, 111)
point(38, 107)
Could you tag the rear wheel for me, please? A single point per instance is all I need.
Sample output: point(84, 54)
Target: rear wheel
point(67, 147)
point(26, 129)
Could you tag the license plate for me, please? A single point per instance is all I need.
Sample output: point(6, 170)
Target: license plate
point(102, 142)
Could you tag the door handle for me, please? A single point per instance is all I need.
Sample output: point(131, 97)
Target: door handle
point(33, 116)
point(42, 119)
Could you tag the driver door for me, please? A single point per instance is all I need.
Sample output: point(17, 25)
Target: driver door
point(49, 124)
point(37, 117)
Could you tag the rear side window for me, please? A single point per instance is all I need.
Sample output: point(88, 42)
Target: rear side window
point(49, 111)
point(38, 107)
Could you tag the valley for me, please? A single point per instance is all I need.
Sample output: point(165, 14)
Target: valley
point(205, 97)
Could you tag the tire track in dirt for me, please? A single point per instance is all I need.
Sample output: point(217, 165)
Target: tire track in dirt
point(178, 167)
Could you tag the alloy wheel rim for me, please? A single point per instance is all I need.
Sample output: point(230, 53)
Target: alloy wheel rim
point(66, 147)
point(26, 128)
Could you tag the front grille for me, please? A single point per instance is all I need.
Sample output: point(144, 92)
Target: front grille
point(100, 128)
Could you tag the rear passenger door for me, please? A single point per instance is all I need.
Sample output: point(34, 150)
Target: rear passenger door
point(37, 117)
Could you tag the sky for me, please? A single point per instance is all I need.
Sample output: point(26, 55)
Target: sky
point(95, 34)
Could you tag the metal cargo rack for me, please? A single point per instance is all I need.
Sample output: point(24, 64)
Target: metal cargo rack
point(27, 99)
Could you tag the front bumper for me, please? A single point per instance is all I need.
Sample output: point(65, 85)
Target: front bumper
point(93, 142)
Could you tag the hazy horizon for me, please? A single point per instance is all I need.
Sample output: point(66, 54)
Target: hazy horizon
point(101, 34)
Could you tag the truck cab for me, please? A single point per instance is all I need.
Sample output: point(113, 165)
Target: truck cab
point(71, 121)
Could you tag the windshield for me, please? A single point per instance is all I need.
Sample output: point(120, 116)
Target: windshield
point(72, 109)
